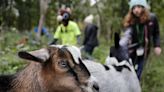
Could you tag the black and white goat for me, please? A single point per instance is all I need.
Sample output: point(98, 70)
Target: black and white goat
point(118, 74)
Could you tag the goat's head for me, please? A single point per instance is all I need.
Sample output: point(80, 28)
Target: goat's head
point(61, 68)
point(117, 51)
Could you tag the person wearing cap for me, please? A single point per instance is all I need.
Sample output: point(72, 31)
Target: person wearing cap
point(90, 35)
point(142, 29)
point(68, 31)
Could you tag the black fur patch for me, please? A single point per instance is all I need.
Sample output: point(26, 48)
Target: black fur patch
point(71, 71)
point(120, 68)
point(106, 67)
point(26, 55)
point(5, 83)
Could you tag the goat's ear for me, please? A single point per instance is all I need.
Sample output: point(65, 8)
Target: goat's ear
point(82, 65)
point(75, 52)
point(116, 40)
point(81, 71)
point(41, 55)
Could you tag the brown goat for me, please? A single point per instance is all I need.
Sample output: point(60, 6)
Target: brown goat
point(52, 69)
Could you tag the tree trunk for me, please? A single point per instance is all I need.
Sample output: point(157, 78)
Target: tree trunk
point(43, 10)
point(41, 21)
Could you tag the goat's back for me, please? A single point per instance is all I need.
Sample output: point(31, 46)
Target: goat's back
point(111, 80)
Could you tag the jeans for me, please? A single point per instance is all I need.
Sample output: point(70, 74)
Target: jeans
point(140, 63)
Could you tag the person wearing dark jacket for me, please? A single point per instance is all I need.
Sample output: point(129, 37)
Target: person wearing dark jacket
point(90, 35)
point(141, 28)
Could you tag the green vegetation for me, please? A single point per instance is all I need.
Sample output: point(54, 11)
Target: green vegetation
point(9, 47)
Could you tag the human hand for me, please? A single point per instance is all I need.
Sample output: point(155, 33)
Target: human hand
point(157, 50)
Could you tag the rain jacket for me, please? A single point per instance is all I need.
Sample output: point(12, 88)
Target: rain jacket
point(68, 35)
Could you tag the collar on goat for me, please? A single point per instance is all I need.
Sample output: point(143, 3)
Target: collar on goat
point(74, 51)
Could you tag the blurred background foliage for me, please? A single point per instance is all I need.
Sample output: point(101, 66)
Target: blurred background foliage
point(19, 17)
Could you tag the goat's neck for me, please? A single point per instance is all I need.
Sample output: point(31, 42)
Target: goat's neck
point(27, 79)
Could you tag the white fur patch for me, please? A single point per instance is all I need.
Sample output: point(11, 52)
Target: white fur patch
point(75, 51)
point(111, 61)
point(114, 61)
point(76, 54)
point(57, 46)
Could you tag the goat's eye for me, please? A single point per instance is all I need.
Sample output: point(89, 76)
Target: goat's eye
point(63, 64)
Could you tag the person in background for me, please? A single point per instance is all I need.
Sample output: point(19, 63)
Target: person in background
point(68, 31)
point(90, 35)
point(141, 28)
